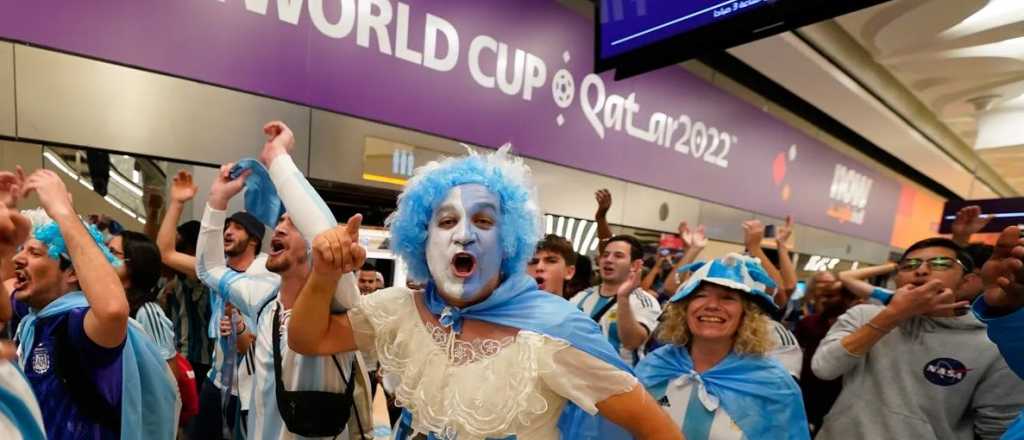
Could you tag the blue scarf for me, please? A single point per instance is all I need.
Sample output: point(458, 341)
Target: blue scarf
point(518, 303)
point(757, 393)
point(143, 373)
point(261, 199)
point(18, 412)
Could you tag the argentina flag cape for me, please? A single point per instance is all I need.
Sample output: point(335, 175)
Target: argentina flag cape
point(756, 392)
point(518, 303)
point(18, 404)
point(149, 394)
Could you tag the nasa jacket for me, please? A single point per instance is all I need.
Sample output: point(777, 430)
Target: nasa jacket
point(929, 378)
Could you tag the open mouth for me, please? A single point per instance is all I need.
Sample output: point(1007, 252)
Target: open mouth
point(20, 279)
point(464, 264)
point(540, 281)
point(276, 247)
point(710, 319)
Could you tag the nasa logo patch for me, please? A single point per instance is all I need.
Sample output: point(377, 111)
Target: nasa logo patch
point(945, 371)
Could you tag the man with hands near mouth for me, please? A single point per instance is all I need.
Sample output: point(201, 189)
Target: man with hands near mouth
point(927, 372)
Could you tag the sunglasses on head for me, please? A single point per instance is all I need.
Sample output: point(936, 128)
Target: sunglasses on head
point(934, 263)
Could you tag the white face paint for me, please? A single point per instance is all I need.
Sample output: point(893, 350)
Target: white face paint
point(463, 244)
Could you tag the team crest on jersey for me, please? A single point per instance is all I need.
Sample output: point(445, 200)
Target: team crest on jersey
point(40, 360)
point(945, 371)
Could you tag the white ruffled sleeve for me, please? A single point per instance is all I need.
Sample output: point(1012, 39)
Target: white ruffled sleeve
point(582, 378)
point(379, 315)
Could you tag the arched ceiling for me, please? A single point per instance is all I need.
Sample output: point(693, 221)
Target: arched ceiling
point(964, 59)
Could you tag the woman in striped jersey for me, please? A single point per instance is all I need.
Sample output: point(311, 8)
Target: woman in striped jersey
point(140, 274)
point(715, 377)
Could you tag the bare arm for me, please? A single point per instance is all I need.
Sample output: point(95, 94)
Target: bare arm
point(753, 234)
point(696, 241)
point(631, 332)
point(653, 274)
point(968, 222)
point(786, 267)
point(637, 412)
point(154, 201)
point(313, 330)
point(14, 230)
point(182, 190)
point(853, 280)
point(604, 203)
point(106, 322)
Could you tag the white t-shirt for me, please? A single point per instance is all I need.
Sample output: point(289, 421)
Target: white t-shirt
point(645, 308)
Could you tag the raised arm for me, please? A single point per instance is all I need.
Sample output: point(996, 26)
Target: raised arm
point(695, 242)
point(604, 203)
point(1002, 305)
point(787, 270)
point(313, 329)
point(106, 322)
point(299, 196)
point(969, 221)
point(14, 230)
point(182, 190)
point(853, 279)
point(753, 234)
point(631, 332)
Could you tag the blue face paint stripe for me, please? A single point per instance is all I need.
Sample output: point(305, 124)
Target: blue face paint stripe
point(486, 244)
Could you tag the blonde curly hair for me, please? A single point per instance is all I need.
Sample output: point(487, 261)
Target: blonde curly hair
point(752, 336)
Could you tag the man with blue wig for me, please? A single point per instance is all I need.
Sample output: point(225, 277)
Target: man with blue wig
point(94, 371)
point(481, 352)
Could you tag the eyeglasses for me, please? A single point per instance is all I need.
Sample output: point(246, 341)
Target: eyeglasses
point(935, 263)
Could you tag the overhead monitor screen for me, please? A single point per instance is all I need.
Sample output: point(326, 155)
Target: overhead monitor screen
point(629, 25)
point(637, 36)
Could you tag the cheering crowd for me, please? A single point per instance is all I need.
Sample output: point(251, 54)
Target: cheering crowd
point(192, 332)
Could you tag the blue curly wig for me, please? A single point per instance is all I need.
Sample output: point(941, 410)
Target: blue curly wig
point(49, 233)
point(501, 173)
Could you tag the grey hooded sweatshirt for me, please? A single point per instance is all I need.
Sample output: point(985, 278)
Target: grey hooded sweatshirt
point(929, 378)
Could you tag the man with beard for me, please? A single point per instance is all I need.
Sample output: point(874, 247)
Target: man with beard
point(242, 238)
point(553, 265)
point(833, 301)
point(293, 395)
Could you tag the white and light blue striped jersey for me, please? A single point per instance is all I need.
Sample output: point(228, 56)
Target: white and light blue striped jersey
point(158, 327)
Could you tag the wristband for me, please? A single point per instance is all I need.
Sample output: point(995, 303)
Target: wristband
point(877, 328)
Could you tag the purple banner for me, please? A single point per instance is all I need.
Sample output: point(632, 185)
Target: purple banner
point(485, 72)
